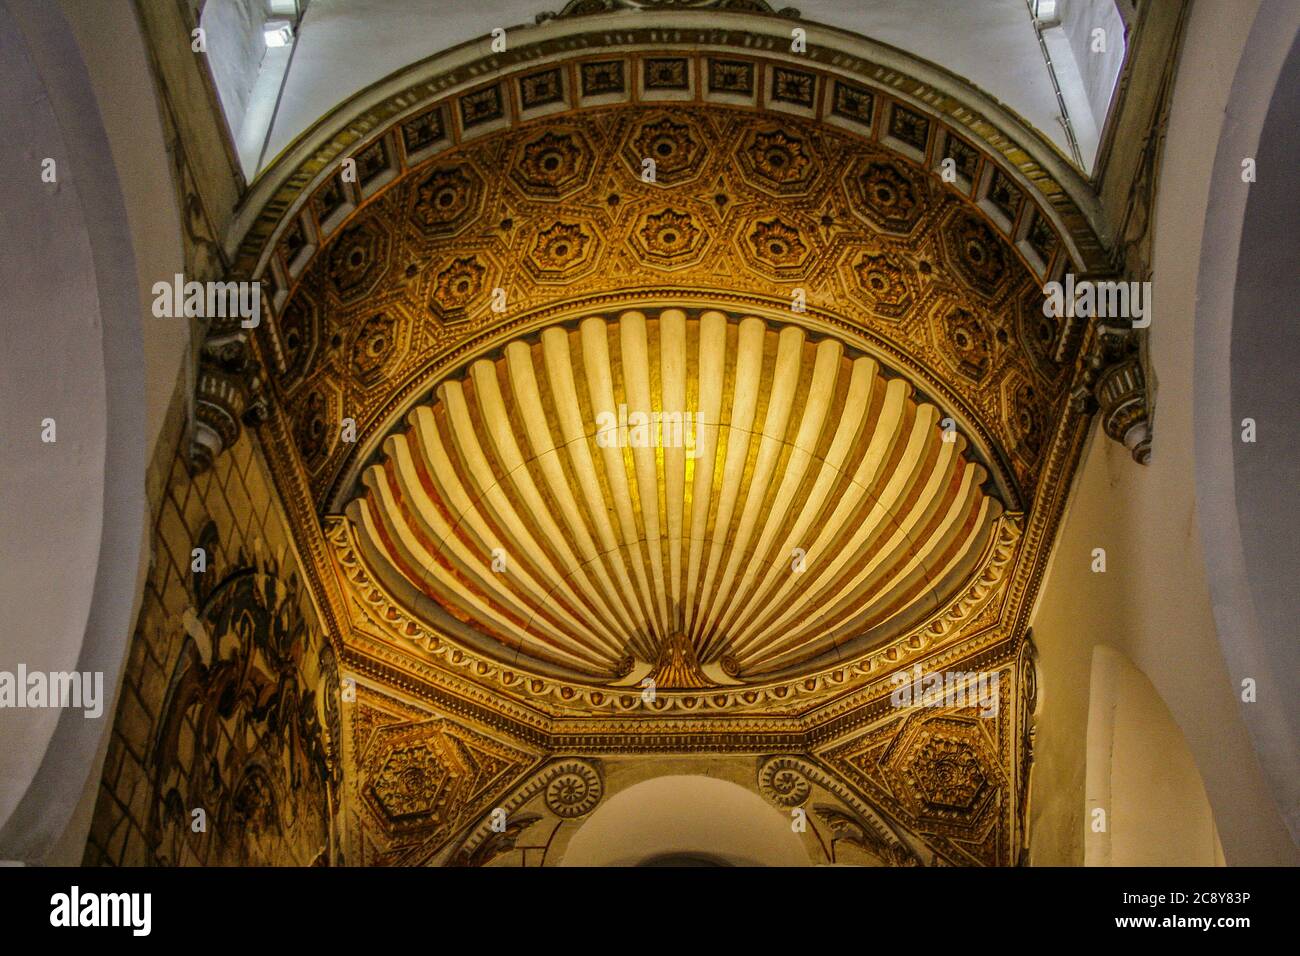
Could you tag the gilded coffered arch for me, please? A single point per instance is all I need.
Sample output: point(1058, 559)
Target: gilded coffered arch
point(469, 277)
point(859, 238)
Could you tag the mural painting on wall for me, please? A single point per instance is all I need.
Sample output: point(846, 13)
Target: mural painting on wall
point(242, 735)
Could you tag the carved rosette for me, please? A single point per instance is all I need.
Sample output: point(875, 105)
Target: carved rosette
point(574, 790)
point(788, 781)
point(411, 782)
point(781, 781)
point(569, 788)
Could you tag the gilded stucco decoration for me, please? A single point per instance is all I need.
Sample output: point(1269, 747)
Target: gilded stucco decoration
point(789, 507)
point(886, 433)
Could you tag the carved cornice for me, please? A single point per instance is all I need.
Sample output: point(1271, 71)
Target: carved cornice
point(581, 8)
point(950, 630)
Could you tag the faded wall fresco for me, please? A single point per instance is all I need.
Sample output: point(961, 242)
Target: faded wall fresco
point(230, 700)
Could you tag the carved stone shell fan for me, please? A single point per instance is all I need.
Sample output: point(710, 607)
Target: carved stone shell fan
point(701, 499)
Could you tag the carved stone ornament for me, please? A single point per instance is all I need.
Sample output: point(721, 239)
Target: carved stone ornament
point(1115, 385)
point(483, 304)
point(228, 393)
point(570, 788)
point(574, 790)
point(782, 782)
point(855, 831)
point(788, 781)
point(578, 8)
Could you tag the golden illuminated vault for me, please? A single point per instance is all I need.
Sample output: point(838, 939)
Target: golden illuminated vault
point(799, 505)
point(600, 460)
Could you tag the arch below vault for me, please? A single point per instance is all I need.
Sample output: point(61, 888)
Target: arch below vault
point(685, 817)
point(1142, 774)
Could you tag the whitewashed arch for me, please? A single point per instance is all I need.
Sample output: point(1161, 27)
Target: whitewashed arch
point(73, 512)
point(1146, 803)
point(683, 817)
point(1245, 359)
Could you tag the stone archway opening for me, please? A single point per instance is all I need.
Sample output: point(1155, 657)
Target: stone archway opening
point(682, 819)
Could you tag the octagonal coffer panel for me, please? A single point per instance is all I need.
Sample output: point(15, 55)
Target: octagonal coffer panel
point(700, 499)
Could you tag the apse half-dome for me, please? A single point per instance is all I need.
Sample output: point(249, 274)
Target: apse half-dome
point(696, 497)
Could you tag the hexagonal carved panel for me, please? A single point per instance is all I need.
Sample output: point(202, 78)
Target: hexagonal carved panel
point(458, 289)
point(415, 781)
point(425, 777)
point(886, 283)
point(446, 200)
point(299, 331)
point(948, 773)
point(373, 345)
point(778, 246)
point(668, 238)
point(677, 150)
point(552, 165)
point(778, 160)
point(358, 258)
point(885, 194)
point(968, 339)
point(561, 250)
point(977, 254)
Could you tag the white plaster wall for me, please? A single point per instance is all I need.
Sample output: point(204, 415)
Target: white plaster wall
point(52, 348)
point(1086, 77)
point(77, 261)
point(1141, 776)
point(1096, 73)
point(346, 45)
point(233, 31)
point(1153, 603)
point(113, 50)
point(1246, 356)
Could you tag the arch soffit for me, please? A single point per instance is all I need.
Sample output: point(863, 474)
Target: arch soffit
point(284, 186)
point(285, 199)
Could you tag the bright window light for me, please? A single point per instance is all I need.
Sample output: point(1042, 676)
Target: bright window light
point(277, 33)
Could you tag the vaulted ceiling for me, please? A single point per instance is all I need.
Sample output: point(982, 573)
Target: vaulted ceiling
point(830, 283)
point(809, 508)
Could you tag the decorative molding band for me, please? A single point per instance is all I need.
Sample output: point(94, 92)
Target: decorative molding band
point(581, 8)
point(860, 679)
point(1038, 164)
